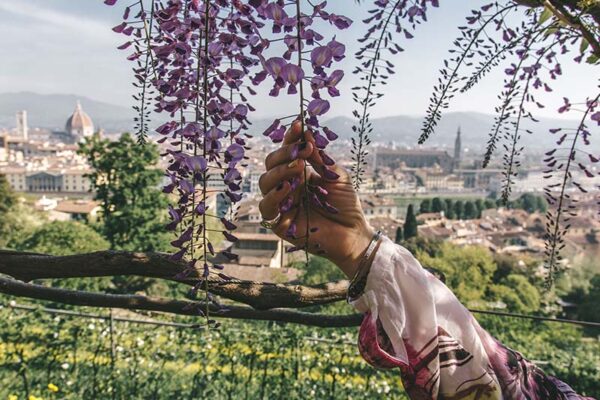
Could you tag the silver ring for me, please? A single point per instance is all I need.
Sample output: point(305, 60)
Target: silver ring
point(270, 223)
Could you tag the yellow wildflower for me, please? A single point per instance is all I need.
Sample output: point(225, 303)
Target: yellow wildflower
point(32, 397)
point(12, 397)
point(52, 387)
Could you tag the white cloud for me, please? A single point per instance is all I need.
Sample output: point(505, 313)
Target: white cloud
point(69, 22)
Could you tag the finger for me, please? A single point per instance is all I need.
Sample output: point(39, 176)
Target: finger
point(326, 167)
point(269, 205)
point(288, 153)
point(280, 173)
point(294, 133)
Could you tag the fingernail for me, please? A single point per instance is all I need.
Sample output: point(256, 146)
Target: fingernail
point(279, 187)
point(330, 175)
point(302, 146)
point(293, 164)
point(326, 159)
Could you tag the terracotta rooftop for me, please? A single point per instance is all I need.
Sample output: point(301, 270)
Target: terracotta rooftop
point(77, 206)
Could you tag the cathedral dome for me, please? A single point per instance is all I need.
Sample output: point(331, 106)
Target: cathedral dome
point(79, 124)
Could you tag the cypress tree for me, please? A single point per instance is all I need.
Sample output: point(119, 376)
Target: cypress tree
point(449, 209)
point(459, 209)
point(410, 225)
point(399, 235)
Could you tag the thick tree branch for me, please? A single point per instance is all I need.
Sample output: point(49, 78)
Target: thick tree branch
point(180, 307)
point(593, 10)
point(262, 296)
point(561, 9)
point(573, 21)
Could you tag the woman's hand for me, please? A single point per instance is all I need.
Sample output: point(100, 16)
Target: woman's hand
point(337, 230)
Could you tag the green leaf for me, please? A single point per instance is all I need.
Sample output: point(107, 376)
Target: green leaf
point(546, 14)
point(592, 59)
point(584, 45)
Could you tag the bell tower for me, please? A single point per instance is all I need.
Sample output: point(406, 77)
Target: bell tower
point(457, 150)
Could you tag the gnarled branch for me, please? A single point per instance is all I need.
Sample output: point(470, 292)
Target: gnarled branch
point(262, 296)
point(180, 307)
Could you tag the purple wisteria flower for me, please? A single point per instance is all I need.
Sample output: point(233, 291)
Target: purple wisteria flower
point(197, 56)
point(304, 67)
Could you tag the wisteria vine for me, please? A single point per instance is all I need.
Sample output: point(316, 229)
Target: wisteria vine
point(202, 58)
point(492, 35)
point(307, 65)
point(374, 69)
point(197, 62)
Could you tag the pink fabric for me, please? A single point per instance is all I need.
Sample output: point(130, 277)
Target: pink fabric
point(413, 322)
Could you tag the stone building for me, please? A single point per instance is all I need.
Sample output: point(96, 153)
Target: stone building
point(419, 158)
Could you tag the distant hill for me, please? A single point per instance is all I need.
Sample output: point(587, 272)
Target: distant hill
point(405, 130)
point(52, 111)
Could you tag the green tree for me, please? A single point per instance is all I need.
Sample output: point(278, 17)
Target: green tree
point(517, 293)
point(588, 309)
point(399, 235)
point(62, 238)
point(468, 270)
point(7, 202)
point(489, 204)
point(425, 206)
point(449, 209)
point(459, 209)
point(126, 182)
point(17, 218)
point(319, 270)
point(410, 225)
point(480, 205)
point(527, 202)
point(541, 204)
point(470, 211)
point(437, 205)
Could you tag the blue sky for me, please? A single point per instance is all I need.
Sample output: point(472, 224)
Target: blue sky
point(66, 46)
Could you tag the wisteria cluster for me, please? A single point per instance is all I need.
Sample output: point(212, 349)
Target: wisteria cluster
point(385, 18)
point(197, 62)
point(304, 67)
point(198, 57)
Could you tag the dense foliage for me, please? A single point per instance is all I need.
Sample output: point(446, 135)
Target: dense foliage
point(7, 202)
point(63, 238)
point(41, 353)
point(126, 181)
point(471, 209)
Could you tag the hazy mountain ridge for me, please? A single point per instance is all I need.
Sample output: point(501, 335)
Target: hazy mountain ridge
point(475, 127)
point(52, 111)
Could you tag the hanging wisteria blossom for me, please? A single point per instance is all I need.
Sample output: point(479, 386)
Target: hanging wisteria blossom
point(198, 63)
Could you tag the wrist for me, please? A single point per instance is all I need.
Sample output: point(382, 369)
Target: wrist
point(358, 251)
